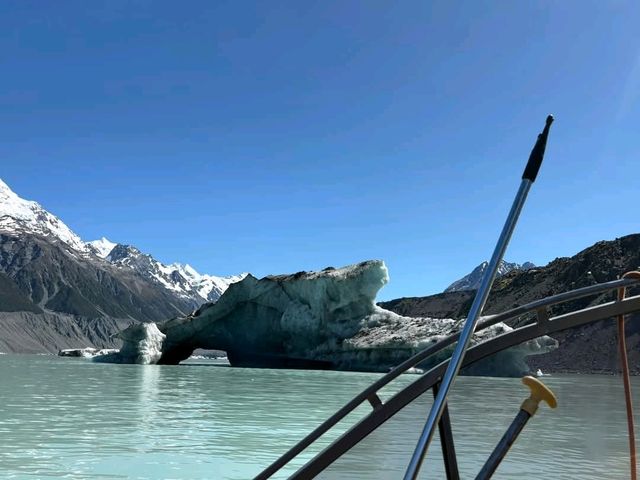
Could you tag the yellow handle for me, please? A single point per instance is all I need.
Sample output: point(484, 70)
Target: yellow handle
point(539, 392)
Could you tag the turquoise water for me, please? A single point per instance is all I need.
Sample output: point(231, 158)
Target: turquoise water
point(70, 418)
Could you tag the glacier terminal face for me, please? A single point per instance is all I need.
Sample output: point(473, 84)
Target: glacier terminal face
point(326, 319)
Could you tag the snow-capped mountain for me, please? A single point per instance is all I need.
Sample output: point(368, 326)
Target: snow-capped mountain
point(208, 287)
point(473, 279)
point(19, 215)
point(23, 216)
point(183, 280)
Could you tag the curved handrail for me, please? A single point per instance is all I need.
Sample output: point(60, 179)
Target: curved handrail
point(385, 411)
point(370, 393)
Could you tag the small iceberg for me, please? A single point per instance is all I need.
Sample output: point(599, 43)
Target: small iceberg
point(414, 371)
point(88, 352)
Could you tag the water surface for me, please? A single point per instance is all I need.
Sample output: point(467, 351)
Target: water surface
point(71, 418)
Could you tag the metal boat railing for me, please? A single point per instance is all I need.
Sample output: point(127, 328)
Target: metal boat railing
point(543, 325)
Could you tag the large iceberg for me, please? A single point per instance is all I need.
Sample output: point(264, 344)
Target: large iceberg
point(325, 319)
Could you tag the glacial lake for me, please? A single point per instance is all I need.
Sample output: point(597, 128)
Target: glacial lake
point(74, 419)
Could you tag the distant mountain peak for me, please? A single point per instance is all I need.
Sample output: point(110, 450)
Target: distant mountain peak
point(102, 248)
point(4, 188)
point(121, 252)
point(472, 280)
point(186, 271)
point(20, 215)
point(183, 280)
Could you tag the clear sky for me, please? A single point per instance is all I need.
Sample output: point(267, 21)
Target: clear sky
point(274, 137)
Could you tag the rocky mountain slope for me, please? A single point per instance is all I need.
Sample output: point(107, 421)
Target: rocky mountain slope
point(27, 332)
point(55, 278)
point(588, 349)
point(47, 270)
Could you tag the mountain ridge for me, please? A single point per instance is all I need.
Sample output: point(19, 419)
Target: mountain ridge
point(472, 280)
point(27, 217)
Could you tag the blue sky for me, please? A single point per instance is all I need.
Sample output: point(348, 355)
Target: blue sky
point(275, 137)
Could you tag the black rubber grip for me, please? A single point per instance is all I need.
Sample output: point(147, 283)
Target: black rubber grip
point(537, 154)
